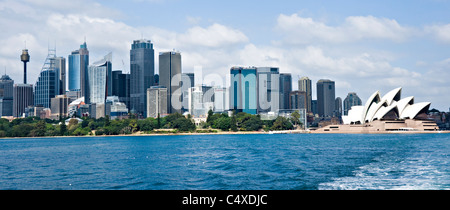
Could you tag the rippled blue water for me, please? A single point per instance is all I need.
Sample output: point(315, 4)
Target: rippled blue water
point(232, 162)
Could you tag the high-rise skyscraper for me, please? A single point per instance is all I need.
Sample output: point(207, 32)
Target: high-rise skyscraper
point(197, 106)
point(352, 99)
point(6, 96)
point(121, 87)
point(187, 80)
point(221, 99)
point(22, 98)
point(170, 77)
point(325, 97)
point(60, 64)
point(285, 90)
point(304, 84)
point(157, 101)
point(78, 66)
point(314, 107)
point(297, 100)
point(59, 106)
point(100, 81)
point(47, 85)
point(268, 89)
point(243, 90)
point(142, 72)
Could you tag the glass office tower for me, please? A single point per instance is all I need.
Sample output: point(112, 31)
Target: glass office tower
point(100, 81)
point(48, 83)
point(6, 96)
point(22, 98)
point(326, 98)
point(78, 65)
point(121, 87)
point(285, 90)
point(268, 89)
point(243, 91)
point(170, 77)
point(142, 72)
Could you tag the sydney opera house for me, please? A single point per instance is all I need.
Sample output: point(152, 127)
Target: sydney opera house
point(389, 113)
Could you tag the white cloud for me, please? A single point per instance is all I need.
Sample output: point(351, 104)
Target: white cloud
point(301, 30)
point(216, 35)
point(377, 28)
point(439, 32)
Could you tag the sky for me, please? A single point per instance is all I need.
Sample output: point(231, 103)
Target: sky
point(363, 46)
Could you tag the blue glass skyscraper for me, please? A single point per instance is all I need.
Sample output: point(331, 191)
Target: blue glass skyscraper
point(47, 85)
point(78, 65)
point(243, 90)
point(74, 71)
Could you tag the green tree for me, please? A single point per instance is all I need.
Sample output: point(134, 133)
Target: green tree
point(133, 125)
point(2, 133)
point(252, 123)
point(249, 122)
point(21, 130)
point(209, 119)
point(295, 118)
point(39, 129)
point(92, 125)
point(62, 129)
point(81, 131)
point(183, 124)
point(223, 123)
point(73, 122)
point(158, 126)
point(100, 131)
point(172, 117)
point(107, 121)
point(146, 124)
point(282, 123)
point(233, 122)
point(85, 123)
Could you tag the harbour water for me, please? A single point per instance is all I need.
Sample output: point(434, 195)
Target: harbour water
point(227, 162)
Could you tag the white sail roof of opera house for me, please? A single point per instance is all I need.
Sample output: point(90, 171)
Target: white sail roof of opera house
point(389, 106)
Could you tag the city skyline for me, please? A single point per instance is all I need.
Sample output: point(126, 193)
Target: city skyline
point(397, 47)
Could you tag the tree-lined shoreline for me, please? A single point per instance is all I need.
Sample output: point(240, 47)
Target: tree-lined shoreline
point(171, 124)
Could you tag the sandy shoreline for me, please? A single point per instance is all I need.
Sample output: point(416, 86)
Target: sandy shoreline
point(241, 133)
point(151, 134)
